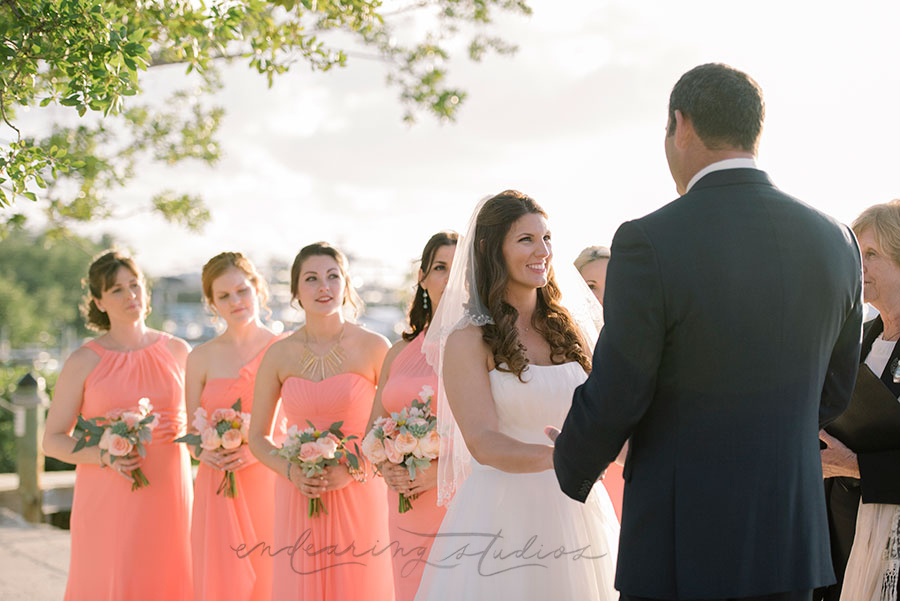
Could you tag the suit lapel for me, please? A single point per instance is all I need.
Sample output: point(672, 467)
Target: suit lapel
point(871, 331)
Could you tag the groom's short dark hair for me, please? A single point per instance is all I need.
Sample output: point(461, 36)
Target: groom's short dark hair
point(724, 105)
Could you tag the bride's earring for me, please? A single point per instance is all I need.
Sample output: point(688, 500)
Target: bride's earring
point(424, 299)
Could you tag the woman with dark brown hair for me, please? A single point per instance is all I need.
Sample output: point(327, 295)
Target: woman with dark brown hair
point(404, 374)
point(510, 349)
point(325, 372)
point(126, 544)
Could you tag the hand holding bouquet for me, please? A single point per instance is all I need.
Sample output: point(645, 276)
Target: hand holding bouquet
point(226, 429)
point(407, 438)
point(313, 450)
point(120, 433)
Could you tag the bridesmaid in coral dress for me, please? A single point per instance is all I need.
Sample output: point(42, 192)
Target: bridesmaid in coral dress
point(325, 372)
point(404, 373)
point(125, 544)
point(220, 372)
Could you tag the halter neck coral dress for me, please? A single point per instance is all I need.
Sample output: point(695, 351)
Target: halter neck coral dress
point(343, 554)
point(221, 524)
point(134, 544)
point(409, 373)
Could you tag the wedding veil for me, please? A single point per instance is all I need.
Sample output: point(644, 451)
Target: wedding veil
point(461, 306)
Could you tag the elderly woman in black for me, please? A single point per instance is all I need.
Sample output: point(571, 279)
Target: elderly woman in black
point(870, 481)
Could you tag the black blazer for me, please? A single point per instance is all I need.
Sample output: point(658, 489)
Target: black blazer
point(879, 473)
point(733, 322)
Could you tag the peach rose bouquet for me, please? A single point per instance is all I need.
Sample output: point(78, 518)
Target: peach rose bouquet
point(119, 433)
point(406, 438)
point(312, 450)
point(224, 429)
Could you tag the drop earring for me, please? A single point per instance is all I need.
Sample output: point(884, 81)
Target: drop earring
point(424, 299)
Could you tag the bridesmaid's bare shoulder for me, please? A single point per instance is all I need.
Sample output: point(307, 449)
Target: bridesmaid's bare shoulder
point(80, 363)
point(355, 334)
point(179, 348)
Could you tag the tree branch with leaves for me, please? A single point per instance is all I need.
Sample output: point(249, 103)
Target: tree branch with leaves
point(88, 55)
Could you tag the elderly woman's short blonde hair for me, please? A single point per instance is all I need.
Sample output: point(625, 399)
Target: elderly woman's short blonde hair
point(884, 221)
point(589, 255)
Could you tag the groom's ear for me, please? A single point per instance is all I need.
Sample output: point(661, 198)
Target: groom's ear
point(684, 130)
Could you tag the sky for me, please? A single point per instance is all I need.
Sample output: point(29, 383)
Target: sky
point(576, 119)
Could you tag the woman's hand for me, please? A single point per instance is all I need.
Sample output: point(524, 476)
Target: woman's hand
point(123, 465)
point(231, 460)
point(336, 477)
point(312, 487)
point(837, 459)
point(397, 478)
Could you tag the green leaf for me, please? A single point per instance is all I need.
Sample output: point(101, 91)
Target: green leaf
point(190, 439)
point(237, 405)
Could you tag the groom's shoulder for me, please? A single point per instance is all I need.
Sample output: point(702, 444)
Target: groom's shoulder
point(693, 207)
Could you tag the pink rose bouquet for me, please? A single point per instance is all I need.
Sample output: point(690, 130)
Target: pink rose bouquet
point(406, 438)
point(224, 429)
point(312, 450)
point(118, 433)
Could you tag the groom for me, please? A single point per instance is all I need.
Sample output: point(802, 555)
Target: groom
point(733, 320)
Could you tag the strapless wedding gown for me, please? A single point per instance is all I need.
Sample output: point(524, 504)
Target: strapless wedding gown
point(517, 536)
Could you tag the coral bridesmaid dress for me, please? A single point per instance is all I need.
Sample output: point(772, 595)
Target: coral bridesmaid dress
point(223, 570)
point(344, 554)
point(614, 482)
point(134, 544)
point(409, 373)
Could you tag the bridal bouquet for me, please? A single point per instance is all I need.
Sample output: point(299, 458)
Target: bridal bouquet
point(312, 450)
point(406, 438)
point(119, 433)
point(225, 429)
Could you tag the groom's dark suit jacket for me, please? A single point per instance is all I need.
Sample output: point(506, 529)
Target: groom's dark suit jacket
point(733, 321)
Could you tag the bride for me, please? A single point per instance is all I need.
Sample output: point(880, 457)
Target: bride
point(509, 350)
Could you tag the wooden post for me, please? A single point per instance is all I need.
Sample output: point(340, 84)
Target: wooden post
point(30, 401)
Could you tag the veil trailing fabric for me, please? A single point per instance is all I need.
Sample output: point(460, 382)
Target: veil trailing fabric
point(460, 306)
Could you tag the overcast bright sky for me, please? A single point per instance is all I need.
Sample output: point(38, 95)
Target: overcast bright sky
point(576, 119)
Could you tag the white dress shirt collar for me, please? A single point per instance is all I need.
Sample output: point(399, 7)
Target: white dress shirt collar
point(739, 163)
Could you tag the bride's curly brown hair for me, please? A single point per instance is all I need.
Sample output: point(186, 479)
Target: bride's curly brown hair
point(550, 319)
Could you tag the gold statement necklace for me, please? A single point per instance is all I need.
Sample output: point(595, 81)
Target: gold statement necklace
point(325, 365)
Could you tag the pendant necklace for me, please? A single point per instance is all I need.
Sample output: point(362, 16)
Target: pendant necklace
point(325, 365)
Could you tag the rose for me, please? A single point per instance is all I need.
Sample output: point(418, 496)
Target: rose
point(201, 420)
point(405, 443)
point(245, 426)
point(231, 439)
point(210, 440)
point(229, 414)
point(131, 419)
point(119, 446)
point(388, 426)
point(417, 421)
point(104, 439)
point(310, 452)
point(390, 451)
point(429, 446)
point(373, 448)
point(328, 446)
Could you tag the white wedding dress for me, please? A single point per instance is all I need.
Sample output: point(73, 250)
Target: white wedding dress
point(517, 536)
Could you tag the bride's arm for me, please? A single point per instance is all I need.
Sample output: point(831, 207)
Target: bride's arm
point(469, 394)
